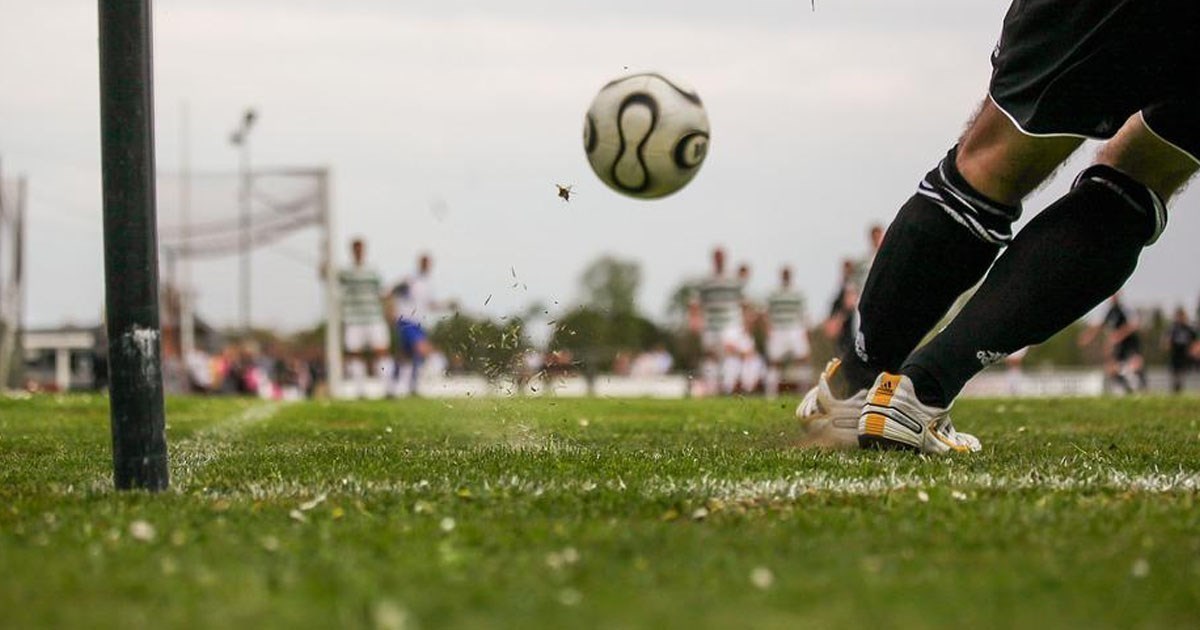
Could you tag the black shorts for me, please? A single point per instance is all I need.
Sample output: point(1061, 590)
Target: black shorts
point(1083, 67)
point(1129, 347)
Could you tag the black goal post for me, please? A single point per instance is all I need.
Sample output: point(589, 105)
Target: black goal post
point(130, 246)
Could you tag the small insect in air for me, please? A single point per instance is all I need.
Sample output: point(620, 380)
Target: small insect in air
point(565, 192)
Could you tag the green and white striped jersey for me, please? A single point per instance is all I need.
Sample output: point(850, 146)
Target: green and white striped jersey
point(361, 290)
point(721, 303)
point(785, 309)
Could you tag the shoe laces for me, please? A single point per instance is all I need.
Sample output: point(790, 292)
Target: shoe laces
point(945, 426)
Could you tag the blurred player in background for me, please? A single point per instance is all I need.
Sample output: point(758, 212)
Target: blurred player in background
point(862, 267)
point(719, 305)
point(787, 331)
point(412, 307)
point(842, 322)
point(1122, 346)
point(1119, 70)
point(365, 332)
point(751, 366)
point(1180, 340)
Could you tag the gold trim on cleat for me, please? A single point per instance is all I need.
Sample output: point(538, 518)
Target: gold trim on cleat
point(874, 424)
point(832, 368)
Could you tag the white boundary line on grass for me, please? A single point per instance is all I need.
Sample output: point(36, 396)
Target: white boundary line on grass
point(790, 488)
point(190, 455)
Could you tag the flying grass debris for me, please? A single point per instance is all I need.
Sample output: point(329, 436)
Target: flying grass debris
point(142, 531)
point(762, 578)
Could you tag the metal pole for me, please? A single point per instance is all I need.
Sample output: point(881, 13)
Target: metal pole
point(130, 247)
point(333, 313)
point(241, 139)
point(244, 240)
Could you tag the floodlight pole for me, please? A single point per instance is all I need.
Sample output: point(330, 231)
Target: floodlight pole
point(241, 139)
point(130, 246)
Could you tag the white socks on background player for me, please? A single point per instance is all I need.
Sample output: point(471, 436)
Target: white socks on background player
point(731, 371)
point(774, 376)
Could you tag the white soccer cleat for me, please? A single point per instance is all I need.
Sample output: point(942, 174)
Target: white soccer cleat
point(830, 422)
point(893, 418)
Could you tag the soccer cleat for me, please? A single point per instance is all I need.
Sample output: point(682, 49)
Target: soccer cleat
point(893, 418)
point(828, 421)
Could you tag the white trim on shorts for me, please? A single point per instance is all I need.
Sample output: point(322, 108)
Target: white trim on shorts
point(1026, 132)
point(1146, 123)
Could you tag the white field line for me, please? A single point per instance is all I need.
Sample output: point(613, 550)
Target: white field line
point(191, 455)
point(789, 488)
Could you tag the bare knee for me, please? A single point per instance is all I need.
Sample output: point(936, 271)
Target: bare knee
point(1002, 162)
point(1142, 155)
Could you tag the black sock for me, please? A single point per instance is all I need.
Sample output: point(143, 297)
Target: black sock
point(1076, 253)
point(940, 244)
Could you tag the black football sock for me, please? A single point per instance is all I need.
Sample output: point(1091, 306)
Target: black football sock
point(1075, 254)
point(940, 244)
point(1122, 383)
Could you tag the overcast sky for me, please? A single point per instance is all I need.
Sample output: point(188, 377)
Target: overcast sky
point(446, 125)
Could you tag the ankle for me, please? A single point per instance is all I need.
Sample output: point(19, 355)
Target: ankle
point(929, 391)
point(852, 377)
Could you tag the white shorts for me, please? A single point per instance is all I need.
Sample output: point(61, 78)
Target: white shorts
point(720, 342)
point(784, 343)
point(359, 338)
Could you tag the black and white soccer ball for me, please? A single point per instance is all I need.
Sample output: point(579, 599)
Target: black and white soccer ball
point(646, 135)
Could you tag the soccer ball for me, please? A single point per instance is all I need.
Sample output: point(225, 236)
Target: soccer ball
point(646, 135)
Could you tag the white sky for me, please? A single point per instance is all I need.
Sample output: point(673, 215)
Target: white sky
point(822, 122)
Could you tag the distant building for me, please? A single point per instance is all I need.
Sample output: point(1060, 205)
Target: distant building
point(64, 359)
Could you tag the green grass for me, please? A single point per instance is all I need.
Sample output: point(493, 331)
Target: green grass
point(599, 513)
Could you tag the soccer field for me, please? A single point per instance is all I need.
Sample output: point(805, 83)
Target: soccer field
point(543, 513)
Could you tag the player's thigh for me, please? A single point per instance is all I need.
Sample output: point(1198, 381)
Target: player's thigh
point(1067, 70)
point(354, 338)
point(777, 348)
point(379, 337)
point(1159, 147)
point(1004, 163)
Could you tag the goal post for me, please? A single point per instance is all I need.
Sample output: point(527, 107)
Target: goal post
point(130, 246)
point(12, 282)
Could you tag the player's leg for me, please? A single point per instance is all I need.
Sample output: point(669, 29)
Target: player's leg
point(354, 341)
point(421, 349)
point(382, 364)
point(1072, 256)
point(1114, 376)
point(402, 376)
point(1137, 365)
point(751, 373)
point(710, 363)
point(778, 355)
point(731, 360)
point(731, 368)
point(945, 238)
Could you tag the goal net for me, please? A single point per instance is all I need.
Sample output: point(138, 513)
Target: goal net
point(242, 252)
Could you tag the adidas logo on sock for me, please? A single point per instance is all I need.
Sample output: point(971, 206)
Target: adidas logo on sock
point(988, 357)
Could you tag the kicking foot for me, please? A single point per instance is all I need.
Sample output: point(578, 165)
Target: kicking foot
point(893, 418)
point(830, 422)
